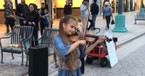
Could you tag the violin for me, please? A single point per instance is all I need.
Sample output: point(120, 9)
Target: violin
point(89, 36)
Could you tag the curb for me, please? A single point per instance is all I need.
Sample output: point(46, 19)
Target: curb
point(130, 39)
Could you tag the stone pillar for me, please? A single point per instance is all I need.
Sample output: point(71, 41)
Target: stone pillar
point(131, 5)
point(49, 3)
point(141, 7)
point(120, 19)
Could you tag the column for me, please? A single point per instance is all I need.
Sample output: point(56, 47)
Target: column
point(131, 5)
point(49, 3)
point(120, 19)
point(141, 7)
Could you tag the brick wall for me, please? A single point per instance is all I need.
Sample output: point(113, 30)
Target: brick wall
point(75, 12)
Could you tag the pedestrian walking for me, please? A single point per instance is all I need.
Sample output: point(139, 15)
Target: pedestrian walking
point(67, 50)
point(107, 14)
point(21, 10)
point(94, 12)
point(9, 16)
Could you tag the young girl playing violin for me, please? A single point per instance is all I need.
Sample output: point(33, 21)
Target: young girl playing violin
point(67, 50)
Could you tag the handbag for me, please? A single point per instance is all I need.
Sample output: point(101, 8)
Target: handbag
point(112, 22)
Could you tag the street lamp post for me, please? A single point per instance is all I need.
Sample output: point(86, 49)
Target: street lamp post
point(142, 5)
point(120, 19)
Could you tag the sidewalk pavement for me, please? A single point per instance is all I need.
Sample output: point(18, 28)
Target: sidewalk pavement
point(134, 30)
point(13, 67)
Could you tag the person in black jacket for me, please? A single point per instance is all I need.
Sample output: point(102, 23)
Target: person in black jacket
point(8, 14)
point(32, 19)
point(68, 8)
point(94, 12)
point(21, 11)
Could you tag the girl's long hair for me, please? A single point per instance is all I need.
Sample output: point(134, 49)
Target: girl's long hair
point(70, 62)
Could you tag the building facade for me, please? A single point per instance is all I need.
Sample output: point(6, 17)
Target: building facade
point(57, 6)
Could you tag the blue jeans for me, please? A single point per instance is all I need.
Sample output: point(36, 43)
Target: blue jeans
point(94, 20)
point(108, 21)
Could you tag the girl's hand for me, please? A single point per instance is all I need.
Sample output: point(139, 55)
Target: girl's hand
point(101, 39)
point(82, 42)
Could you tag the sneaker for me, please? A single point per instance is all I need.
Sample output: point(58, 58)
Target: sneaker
point(106, 28)
point(93, 29)
point(9, 32)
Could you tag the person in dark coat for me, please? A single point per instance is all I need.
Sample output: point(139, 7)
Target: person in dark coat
point(94, 12)
point(32, 19)
point(9, 16)
point(21, 10)
point(68, 8)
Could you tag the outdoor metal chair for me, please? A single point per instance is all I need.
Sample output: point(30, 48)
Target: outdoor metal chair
point(46, 40)
point(139, 16)
point(19, 41)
